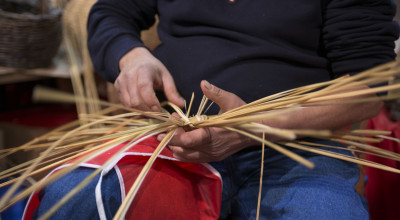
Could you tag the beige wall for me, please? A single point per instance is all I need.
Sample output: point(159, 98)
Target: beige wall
point(398, 10)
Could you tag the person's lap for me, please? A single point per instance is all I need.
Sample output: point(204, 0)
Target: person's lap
point(290, 190)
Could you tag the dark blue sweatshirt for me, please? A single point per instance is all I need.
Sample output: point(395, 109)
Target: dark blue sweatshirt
point(252, 48)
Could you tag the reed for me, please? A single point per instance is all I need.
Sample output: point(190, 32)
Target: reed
point(83, 140)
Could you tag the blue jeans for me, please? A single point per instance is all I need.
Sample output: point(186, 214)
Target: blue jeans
point(290, 190)
point(83, 204)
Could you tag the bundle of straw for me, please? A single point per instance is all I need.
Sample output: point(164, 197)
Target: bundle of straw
point(86, 141)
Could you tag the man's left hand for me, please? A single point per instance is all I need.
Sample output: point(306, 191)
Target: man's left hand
point(211, 143)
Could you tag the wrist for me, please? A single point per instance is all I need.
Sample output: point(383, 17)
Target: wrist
point(133, 54)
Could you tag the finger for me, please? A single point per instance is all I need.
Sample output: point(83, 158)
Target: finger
point(135, 99)
point(170, 90)
point(194, 139)
point(161, 136)
point(135, 86)
point(188, 155)
point(122, 92)
point(225, 100)
point(176, 115)
point(127, 91)
point(145, 87)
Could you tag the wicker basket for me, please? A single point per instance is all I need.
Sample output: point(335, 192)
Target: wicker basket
point(29, 38)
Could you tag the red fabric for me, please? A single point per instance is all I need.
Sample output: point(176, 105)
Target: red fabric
point(383, 188)
point(171, 190)
point(46, 116)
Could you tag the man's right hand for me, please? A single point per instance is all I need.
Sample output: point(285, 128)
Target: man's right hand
point(141, 73)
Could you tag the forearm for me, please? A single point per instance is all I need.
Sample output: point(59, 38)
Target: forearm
point(330, 115)
point(114, 29)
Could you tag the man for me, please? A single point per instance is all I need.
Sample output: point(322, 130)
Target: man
point(237, 51)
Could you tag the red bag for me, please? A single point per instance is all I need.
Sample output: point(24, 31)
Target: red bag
point(171, 190)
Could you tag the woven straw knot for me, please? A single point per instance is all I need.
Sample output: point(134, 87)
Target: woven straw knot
point(201, 117)
point(193, 121)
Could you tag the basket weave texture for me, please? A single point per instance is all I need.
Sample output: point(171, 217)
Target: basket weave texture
point(29, 40)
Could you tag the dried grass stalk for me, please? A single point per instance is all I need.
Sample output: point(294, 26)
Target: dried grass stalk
point(86, 141)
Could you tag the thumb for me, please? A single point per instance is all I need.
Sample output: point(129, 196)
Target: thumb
point(225, 100)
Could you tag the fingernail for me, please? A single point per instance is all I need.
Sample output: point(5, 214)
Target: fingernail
point(177, 157)
point(155, 108)
point(160, 137)
point(207, 84)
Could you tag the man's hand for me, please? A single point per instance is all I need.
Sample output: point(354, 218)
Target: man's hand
point(141, 73)
point(214, 144)
point(210, 144)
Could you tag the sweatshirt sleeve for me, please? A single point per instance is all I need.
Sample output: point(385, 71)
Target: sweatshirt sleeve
point(359, 34)
point(114, 29)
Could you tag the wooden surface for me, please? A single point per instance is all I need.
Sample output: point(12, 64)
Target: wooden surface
point(59, 69)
